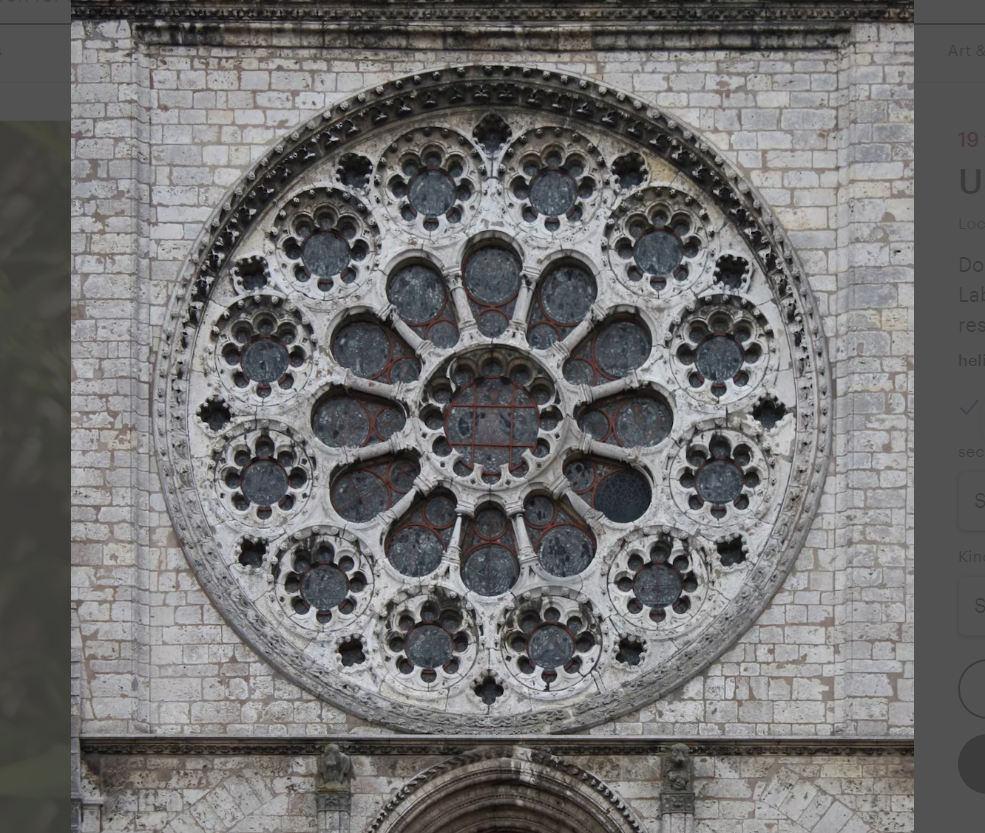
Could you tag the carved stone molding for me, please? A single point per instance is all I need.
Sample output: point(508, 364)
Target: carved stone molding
point(261, 505)
point(565, 745)
point(534, 781)
point(429, 12)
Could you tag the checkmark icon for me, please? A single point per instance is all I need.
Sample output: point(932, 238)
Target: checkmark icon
point(968, 411)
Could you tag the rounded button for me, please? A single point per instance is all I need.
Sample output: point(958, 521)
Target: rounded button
point(971, 688)
point(971, 764)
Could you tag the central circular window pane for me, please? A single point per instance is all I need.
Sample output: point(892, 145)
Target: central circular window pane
point(325, 254)
point(431, 192)
point(550, 646)
point(718, 358)
point(429, 646)
point(324, 586)
point(265, 360)
point(264, 482)
point(491, 422)
point(658, 585)
point(552, 193)
point(719, 482)
point(658, 252)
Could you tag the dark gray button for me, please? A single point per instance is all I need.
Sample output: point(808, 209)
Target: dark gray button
point(971, 606)
point(971, 688)
point(971, 764)
point(971, 501)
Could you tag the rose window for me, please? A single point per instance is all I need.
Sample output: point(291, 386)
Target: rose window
point(493, 400)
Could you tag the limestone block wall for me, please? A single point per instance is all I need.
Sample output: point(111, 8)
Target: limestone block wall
point(162, 130)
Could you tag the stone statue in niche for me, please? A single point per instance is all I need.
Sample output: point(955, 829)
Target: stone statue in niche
point(334, 767)
point(679, 769)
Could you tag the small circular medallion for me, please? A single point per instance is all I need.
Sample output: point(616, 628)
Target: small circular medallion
point(550, 646)
point(431, 192)
point(265, 360)
point(429, 646)
point(552, 193)
point(718, 358)
point(719, 482)
point(324, 586)
point(657, 585)
point(363, 347)
point(325, 254)
point(658, 252)
point(264, 482)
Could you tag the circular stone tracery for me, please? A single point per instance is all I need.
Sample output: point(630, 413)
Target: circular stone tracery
point(505, 369)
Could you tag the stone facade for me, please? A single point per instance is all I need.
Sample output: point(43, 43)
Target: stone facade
point(819, 119)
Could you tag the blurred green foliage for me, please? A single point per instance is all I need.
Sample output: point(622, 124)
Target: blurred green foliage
point(35, 313)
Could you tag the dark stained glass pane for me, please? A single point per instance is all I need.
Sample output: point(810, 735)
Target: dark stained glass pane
point(432, 193)
point(265, 360)
point(429, 646)
point(550, 646)
point(718, 358)
point(658, 585)
point(719, 481)
point(490, 571)
point(658, 252)
point(325, 254)
point(324, 586)
point(418, 293)
point(492, 275)
point(264, 482)
point(553, 193)
point(567, 294)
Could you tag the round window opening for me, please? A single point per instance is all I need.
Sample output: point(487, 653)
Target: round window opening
point(475, 404)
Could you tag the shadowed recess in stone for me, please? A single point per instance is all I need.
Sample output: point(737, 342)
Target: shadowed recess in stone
point(618, 491)
point(363, 491)
point(564, 545)
point(629, 420)
point(492, 132)
point(611, 351)
point(353, 420)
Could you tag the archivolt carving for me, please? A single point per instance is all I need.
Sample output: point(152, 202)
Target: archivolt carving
point(495, 789)
point(487, 394)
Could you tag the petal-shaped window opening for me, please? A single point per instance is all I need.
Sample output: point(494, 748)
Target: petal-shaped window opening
point(491, 275)
point(373, 351)
point(364, 490)
point(421, 298)
point(490, 565)
point(419, 539)
point(563, 299)
point(629, 420)
point(613, 350)
point(351, 420)
point(618, 491)
point(565, 546)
